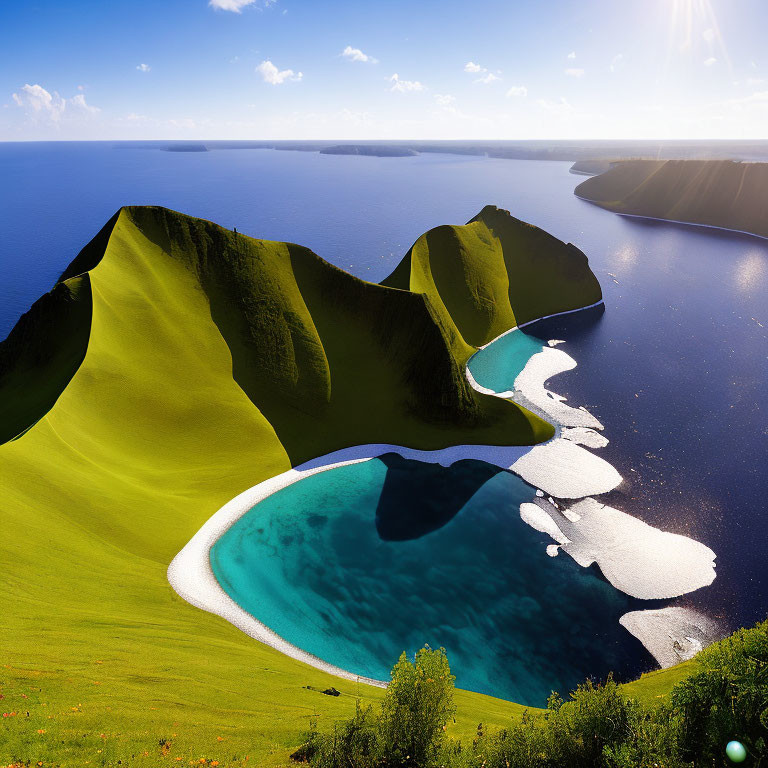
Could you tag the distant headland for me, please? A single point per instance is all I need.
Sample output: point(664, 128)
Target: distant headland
point(712, 193)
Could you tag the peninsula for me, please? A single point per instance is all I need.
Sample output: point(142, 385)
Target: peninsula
point(713, 193)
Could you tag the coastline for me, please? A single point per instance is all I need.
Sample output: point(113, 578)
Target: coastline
point(190, 573)
point(559, 467)
point(673, 221)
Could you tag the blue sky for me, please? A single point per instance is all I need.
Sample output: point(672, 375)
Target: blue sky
point(421, 69)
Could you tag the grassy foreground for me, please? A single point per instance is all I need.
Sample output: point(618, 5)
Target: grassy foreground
point(213, 362)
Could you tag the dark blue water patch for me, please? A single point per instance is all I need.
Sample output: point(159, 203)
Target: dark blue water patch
point(311, 563)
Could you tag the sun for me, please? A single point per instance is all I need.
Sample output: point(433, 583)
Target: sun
point(694, 30)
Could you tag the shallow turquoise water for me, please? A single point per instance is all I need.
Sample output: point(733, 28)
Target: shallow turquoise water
point(359, 563)
point(498, 365)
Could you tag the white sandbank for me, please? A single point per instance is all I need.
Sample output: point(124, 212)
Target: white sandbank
point(673, 634)
point(565, 470)
point(584, 436)
point(635, 557)
point(531, 393)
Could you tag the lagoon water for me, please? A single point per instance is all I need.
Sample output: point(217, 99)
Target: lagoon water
point(361, 562)
point(675, 368)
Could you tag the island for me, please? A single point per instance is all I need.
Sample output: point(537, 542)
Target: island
point(714, 193)
point(371, 150)
point(185, 148)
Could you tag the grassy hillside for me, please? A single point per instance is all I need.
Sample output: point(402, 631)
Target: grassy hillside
point(719, 193)
point(493, 273)
point(213, 362)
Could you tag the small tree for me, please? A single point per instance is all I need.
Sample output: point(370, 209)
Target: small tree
point(416, 709)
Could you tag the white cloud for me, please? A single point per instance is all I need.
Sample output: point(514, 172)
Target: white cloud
point(143, 67)
point(404, 86)
point(709, 35)
point(236, 6)
point(355, 54)
point(710, 62)
point(488, 76)
point(574, 72)
point(517, 90)
point(616, 62)
point(572, 55)
point(444, 99)
point(755, 81)
point(274, 76)
point(40, 103)
point(78, 102)
point(561, 108)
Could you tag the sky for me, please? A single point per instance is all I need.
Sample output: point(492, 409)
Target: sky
point(400, 69)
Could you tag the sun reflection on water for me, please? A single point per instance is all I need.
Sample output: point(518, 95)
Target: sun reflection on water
point(750, 271)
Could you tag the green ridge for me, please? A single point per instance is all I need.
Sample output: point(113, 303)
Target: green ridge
point(213, 361)
point(494, 273)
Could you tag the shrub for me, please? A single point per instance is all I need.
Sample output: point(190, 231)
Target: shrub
point(416, 708)
point(726, 698)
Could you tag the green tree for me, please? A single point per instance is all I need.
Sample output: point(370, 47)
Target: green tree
point(416, 709)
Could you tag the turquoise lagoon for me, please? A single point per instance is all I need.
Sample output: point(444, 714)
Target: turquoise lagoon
point(499, 364)
point(359, 563)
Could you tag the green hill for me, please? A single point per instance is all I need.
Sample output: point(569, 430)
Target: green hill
point(718, 193)
point(494, 273)
point(173, 366)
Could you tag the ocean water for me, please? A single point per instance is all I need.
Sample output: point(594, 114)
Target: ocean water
point(359, 563)
point(675, 367)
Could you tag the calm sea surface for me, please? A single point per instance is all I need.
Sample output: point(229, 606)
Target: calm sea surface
point(676, 367)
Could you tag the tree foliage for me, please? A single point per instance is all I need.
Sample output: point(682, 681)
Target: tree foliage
point(725, 698)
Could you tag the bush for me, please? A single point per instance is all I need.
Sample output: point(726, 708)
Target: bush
point(416, 708)
point(725, 698)
point(409, 732)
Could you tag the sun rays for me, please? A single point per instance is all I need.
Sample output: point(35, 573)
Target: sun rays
point(694, 31)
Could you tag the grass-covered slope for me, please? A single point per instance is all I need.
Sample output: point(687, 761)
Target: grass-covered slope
point(493, 273)
point(719, 193)
point(213, 362)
